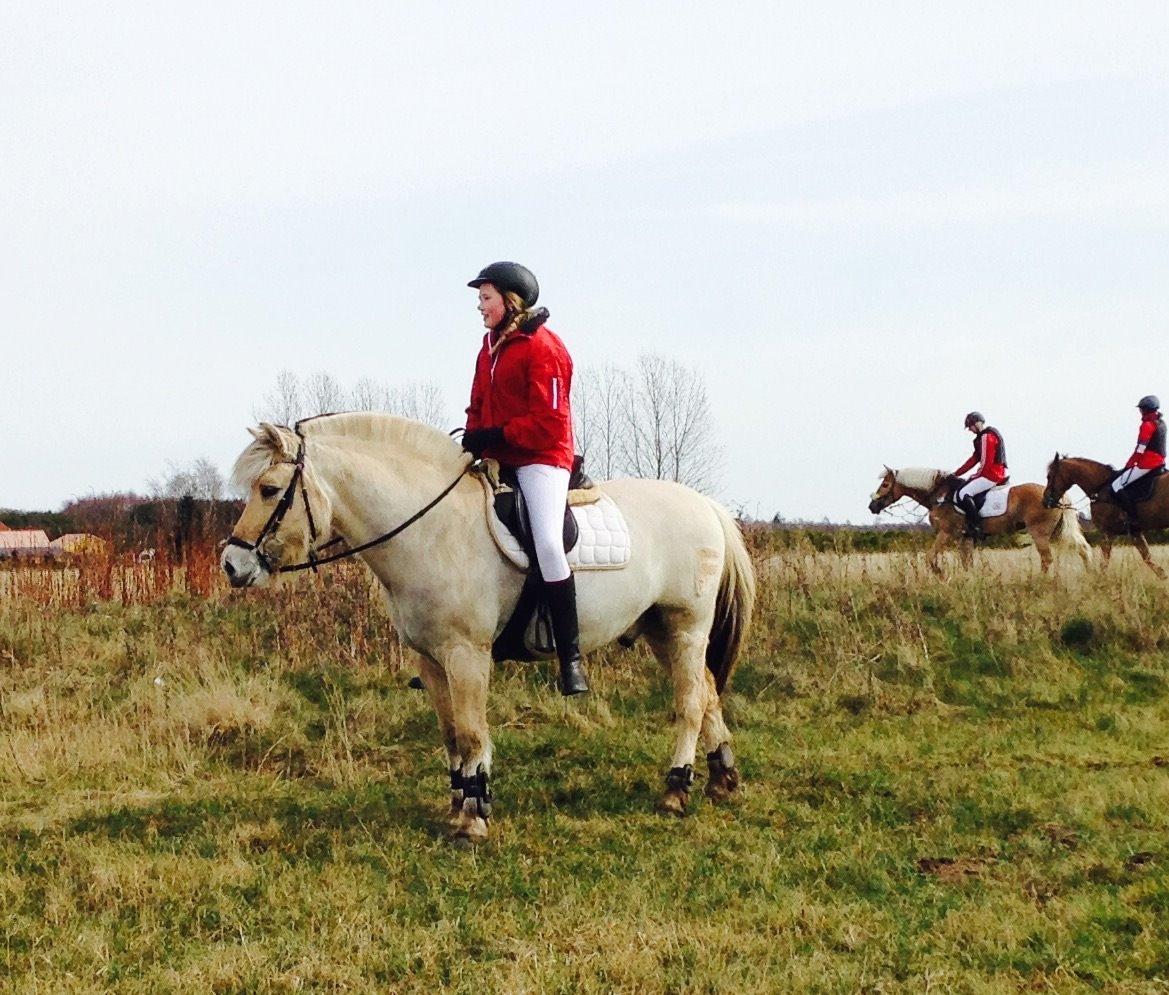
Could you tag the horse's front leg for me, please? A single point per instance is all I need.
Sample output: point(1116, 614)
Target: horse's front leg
point(468, 672)
point(1142, 545)
point(941, 541)
point(438, 687)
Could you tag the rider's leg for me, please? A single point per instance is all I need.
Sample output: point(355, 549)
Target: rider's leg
point(1120, 490)
point(545, 490)
point(965, 500)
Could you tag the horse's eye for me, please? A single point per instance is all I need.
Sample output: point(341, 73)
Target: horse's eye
point(268, 491)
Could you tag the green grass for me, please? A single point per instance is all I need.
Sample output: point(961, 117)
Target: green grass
point(955, 786)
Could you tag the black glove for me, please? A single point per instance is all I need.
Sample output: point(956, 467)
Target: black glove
point(475, 440)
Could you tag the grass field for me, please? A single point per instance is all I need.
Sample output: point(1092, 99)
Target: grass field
point(950, 786)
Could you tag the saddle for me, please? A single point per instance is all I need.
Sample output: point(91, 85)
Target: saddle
point(595, 538)
point(1137, 493)
point(989, 504)
point(512, 511)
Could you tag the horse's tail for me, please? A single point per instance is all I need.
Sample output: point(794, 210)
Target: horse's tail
point(1067, 531)
point(735, 602)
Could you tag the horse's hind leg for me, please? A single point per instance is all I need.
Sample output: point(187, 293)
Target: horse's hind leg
point(1142, 545)
point(681, 647)
point(722, 774)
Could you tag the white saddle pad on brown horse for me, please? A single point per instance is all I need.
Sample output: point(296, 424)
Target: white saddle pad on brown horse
point(604, 535)
point(995, 502)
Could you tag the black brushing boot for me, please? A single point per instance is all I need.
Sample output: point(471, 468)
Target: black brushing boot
point(561, 597)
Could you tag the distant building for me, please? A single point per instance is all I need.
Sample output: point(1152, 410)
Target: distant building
point(3, 527)
point(25, 542)
point(79, 544)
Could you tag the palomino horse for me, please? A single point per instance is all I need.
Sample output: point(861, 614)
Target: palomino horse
point(1025, 510)
point(1093, 479)
point(689, 588)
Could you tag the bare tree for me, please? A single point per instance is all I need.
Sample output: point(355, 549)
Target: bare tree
point(368, 395)
point(284, 404)
point(599, 416)
point(199, 479)
point(420, 400)
point(668, 432)
point(323, 394)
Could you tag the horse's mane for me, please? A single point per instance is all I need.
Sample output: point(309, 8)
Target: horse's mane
point(376, 430)
point(920, 478)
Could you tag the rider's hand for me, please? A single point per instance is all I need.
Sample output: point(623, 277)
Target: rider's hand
point(476, 440)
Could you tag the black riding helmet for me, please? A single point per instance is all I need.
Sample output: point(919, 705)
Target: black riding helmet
point(973, 419)
point(1149, 402)
point(510, 278)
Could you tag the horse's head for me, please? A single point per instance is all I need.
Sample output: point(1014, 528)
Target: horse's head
point(1058, 482)
point(888, 492)
point(285, 510)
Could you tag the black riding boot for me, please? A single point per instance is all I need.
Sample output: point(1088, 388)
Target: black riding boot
point(973, 519)
point(1129, 508)
point(561, 597)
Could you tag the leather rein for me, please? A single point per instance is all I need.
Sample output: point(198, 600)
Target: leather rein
point(314, 561)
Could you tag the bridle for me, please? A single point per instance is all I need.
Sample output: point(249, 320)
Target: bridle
point(314, 561)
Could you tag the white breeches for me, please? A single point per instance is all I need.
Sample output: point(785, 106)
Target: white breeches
point(972, 488)
point(545, 490)
point(1130, 476)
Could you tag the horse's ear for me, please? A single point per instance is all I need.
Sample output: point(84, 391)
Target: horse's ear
point(277, 438)
point(888, 468)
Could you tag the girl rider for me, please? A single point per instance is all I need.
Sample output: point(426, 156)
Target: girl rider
point(520, 415)
point(1149, 454)
point(991, 456)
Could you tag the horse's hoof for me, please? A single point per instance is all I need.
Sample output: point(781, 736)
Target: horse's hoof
point(722, 785)
point(469, 828)
point(674, 803)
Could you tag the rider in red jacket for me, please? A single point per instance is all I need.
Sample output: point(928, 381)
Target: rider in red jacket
point(990, 455)
point(520, 415)
point(1148, 456)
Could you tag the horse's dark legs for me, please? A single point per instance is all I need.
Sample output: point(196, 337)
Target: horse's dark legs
point(1142, 546)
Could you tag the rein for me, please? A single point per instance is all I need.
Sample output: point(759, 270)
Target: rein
point(314, 561)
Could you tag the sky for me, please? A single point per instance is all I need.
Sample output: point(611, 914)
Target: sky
point(857, 221)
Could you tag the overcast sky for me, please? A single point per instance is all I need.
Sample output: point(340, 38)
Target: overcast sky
point(858, 220)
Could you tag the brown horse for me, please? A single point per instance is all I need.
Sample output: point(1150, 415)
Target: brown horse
point(1025, 510)
point(1093, 479)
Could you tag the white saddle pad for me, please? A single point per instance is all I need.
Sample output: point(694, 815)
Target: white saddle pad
point(604, 536)
point(996, 502)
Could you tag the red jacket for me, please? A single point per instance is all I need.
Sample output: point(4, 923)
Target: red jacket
point(988, 453)
point(1150, 451)
point(524, 390)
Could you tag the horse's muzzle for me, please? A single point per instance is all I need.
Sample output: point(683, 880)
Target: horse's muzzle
point(1049, 501)
point(875, 507)
point(242, 567)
